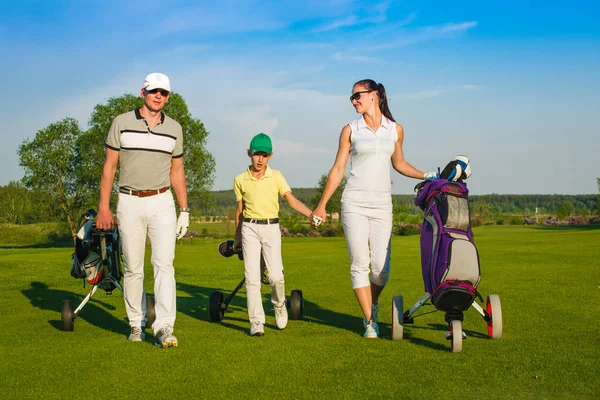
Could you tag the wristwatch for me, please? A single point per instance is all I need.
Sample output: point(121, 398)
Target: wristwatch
point(184, 209)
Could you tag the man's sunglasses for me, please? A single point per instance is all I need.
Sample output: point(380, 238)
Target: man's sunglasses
point(356, 95)
point(162, 92)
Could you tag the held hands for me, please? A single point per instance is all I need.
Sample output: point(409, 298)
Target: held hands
point(431, 176)
point(318, 216)
point(183, 223)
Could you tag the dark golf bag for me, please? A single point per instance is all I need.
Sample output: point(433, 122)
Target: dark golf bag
point(449, 259)
point(87, 260)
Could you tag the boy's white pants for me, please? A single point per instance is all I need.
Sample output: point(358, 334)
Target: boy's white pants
point(155, 217)
point(368, 233)
point(257, 237)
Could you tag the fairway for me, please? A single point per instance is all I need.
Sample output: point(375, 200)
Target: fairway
point(548, 279)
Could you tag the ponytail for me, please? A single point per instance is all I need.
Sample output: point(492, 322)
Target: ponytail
point(383, 104)
point(370, 84)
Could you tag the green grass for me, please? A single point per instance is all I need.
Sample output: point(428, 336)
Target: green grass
point(35, 235)
point(548, 280)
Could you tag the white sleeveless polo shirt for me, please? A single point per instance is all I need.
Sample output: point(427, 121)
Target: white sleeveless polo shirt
point(369, 183)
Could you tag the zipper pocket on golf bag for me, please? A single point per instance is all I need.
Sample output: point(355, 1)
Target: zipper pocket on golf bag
point(461, 259)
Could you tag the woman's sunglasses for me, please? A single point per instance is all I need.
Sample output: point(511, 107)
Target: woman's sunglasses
point(356, 95)
point(162, 92)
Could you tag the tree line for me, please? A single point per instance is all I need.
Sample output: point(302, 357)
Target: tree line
point(63, 164)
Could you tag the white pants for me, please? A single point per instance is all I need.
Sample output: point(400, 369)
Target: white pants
point(155, 217)
point(265, 238)
point(368, 234)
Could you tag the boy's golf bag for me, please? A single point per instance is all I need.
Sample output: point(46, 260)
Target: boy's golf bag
point(449, 259)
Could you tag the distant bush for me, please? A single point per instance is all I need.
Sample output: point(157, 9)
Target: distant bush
point(406, 229)
point(515, 220)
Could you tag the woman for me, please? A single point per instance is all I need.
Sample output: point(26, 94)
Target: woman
point(374, 142)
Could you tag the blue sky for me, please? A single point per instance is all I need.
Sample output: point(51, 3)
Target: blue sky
point(515, 85)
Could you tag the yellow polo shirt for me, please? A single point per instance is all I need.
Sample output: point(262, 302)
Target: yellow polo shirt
point(260, 196)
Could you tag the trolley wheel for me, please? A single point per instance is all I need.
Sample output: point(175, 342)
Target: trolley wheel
point(150, 311)
point(296, 305)
point(66, 316)
point(397, 318)
point(456, 336)
point(494, 310)
point(215, 306)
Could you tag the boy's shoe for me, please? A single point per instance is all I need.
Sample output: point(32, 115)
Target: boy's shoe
point(257, 329)
point(372, 331)
point(374, 315)
point(137, 334)
point(164, 337)
point(281, 316)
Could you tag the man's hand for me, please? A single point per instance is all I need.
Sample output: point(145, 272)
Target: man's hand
point(183, 223)
point(104, 219)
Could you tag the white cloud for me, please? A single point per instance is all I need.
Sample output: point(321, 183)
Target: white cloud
point(427, 33)
point(340, 56)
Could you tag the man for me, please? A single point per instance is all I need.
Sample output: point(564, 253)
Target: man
point(148, 147)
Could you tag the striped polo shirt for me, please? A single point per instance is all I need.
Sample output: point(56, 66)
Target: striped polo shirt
point(145, 154)
point(369, 183)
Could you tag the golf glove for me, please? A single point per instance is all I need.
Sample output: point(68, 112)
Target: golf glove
point(431, 176)
point(183, 222)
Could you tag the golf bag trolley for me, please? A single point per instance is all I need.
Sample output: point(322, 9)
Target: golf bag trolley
point(97, 259)
point(218, 304)
point(449, 261)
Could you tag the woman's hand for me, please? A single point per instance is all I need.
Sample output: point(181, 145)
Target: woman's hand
point(318, 213)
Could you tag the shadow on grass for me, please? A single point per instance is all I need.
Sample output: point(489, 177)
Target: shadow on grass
point(589, 227)
point(411, 329)
point(94, 312)
point(197, 306)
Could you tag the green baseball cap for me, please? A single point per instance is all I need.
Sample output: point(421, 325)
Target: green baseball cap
point(261, 142)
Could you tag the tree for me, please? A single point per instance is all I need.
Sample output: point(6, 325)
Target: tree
point(565, 210)
point(50, 162)
point(14, 203)
point(598, 182)
point(199, 163)
point(482, 210)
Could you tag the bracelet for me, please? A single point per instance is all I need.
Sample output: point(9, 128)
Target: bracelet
point(184, 209)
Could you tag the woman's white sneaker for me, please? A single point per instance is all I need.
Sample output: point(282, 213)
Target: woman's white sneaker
point(372, 331)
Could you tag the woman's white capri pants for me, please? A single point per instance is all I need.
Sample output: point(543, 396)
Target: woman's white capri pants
point(368, 233)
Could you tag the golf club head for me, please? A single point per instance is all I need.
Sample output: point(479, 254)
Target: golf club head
point(226, 250)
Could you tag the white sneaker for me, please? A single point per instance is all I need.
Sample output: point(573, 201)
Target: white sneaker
point(281, 316)
point(136, 335)
point(374, 315)
point(164, 337)
point(257, 329)
point(372, 331)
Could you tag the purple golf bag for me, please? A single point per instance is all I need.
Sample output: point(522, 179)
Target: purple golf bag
point(449, 261)
point(449, 258)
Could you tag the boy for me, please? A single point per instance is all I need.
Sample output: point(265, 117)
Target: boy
point(257, 230)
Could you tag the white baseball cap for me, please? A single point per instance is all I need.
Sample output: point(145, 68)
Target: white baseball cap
point(156, 80)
